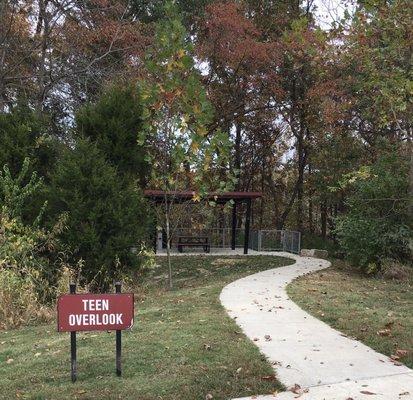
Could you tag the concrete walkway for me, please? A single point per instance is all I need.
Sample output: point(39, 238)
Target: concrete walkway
point(319, 362)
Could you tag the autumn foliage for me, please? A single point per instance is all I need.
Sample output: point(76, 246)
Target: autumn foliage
point(298, 106)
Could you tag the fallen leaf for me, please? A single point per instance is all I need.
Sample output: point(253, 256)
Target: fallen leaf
point(295, 389)
point(268, 378)
point(384, 332)
point(401, 353)
point(367, 392)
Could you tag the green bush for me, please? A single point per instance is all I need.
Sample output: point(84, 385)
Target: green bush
point(23, 134)
point(28, 253)
point(377, 224)
point(107, 216)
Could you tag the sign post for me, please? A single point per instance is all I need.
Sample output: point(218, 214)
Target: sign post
point(118, 289)
point(73, 363)
point(95, 312)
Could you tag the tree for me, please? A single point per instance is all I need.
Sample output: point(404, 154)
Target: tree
point(112, 123)
point(176, 114)
point(376, 225)
point(106, 215)
point(23, 133)
point(150, 11)
point(60, 54)
point(379, 58)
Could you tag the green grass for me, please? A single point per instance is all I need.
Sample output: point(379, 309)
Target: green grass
point(375, 311)
point(183, 345)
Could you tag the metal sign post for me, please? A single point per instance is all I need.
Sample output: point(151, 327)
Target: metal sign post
point(118, 289)
point(73, 362)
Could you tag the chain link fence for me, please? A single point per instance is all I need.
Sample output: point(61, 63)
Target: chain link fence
point(259, 240)
point(275, 240)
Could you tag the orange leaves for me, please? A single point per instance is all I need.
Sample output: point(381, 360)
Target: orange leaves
point(103, 28)
point(227, 35)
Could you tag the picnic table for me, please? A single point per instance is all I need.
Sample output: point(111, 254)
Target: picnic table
point(194, 241)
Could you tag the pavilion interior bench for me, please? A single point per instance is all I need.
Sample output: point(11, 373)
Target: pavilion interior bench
point(194, 241)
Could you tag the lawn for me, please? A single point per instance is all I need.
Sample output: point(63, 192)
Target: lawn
point(183, 345)
point(375, 311)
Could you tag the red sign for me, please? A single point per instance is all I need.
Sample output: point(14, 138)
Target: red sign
point(95, 312)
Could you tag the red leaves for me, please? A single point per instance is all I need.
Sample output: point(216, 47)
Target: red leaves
point(228, 36)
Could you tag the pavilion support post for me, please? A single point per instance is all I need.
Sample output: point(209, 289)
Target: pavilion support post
point(247, 227)
point(233, 225)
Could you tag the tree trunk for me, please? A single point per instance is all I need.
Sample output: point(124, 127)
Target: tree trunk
point(310, 215)
point(262, 191)
point(300, 180)
point(237, 158)
point(324, 219)
point(168, 243)
point(281, 221)
point(310, 206)
point(411, 190)
point(3, 61)
point(411, 180)
point(42, 29)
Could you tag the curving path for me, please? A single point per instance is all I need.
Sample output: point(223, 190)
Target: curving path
point(305, 351)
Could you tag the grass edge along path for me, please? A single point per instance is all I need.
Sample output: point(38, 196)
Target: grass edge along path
point(375, 311)
point(183, 345)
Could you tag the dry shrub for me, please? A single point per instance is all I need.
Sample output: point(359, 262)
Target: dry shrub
point(395, 270)
point(66, 277)
point(19, 304)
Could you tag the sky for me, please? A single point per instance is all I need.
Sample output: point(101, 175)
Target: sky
point(329, 11)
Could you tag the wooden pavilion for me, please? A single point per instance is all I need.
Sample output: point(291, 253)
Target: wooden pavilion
point(159, 196)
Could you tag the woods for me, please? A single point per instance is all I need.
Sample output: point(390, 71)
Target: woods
point(107, 98)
